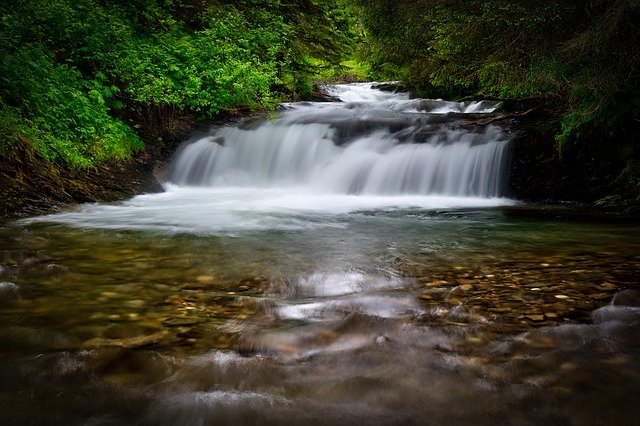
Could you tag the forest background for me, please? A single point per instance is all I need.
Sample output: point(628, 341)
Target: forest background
point(88, 85)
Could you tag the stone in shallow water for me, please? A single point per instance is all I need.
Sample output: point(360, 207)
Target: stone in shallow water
point(622, 314)
point(54, 268)
point(135, 303)
point(9, 291)
point(627, 298)
point(180, 321)
point(536, 317)
point(126, 343)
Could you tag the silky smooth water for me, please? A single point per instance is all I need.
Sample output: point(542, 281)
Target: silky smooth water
point(257, 292)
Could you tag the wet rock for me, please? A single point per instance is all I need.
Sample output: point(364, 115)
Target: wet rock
point(435, 283)
point(9, 291)
point(391, 86)
point(127, 343)
point(381, 340)
point(205, 279)
point(174, 300)
point(54, 268)
point(180, 321)
point(127, 331)
point(623, 314)
point(606, 286)
point(454, 300)
point(626, 298)
point(535, 317)
point(30, 261)
point(135, 303)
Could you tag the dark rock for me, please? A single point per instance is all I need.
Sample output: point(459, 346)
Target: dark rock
point(624, 314)
point(9, 291)
point(319, 94)
point(627, 298)
point(391, 86)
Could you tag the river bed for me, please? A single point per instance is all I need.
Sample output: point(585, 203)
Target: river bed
point(485, 316)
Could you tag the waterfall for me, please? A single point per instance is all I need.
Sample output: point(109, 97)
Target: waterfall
point(370, 143)
point(315, 162)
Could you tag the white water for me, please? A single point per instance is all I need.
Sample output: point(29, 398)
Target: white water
point(374, 150)
point(376, 143)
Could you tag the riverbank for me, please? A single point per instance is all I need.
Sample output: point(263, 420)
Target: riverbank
point(31, 185)
point(596, 171)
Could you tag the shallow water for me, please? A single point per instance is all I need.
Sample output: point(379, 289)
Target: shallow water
point(430, 317)
point(271, 300)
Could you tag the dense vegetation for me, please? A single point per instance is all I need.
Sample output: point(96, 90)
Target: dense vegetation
point(580, 58)
point(72, 71)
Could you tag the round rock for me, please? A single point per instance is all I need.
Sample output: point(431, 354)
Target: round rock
point(9, 291)
point(626, 298)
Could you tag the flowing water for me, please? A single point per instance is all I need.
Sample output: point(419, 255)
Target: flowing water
point(342, 262)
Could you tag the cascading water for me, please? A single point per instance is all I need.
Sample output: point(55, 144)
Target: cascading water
point(370, 151)
point(370, 143)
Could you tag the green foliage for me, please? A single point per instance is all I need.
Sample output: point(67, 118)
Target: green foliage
point(70, 69)
point(63, 116)
point(628, 190)
point(582, 54)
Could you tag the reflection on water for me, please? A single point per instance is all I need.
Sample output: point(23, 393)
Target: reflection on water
point(397, 316)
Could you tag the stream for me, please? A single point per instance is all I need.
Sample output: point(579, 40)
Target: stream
point(341, 262)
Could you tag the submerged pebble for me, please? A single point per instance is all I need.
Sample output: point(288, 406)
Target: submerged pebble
point(9, 291)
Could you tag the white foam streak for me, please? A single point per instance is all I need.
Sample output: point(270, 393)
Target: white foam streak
point(382, 306)
point(230, 209)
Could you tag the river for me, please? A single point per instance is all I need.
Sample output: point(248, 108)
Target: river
point(340, 262)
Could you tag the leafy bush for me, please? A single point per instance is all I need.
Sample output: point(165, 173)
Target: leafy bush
point(70, 68)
